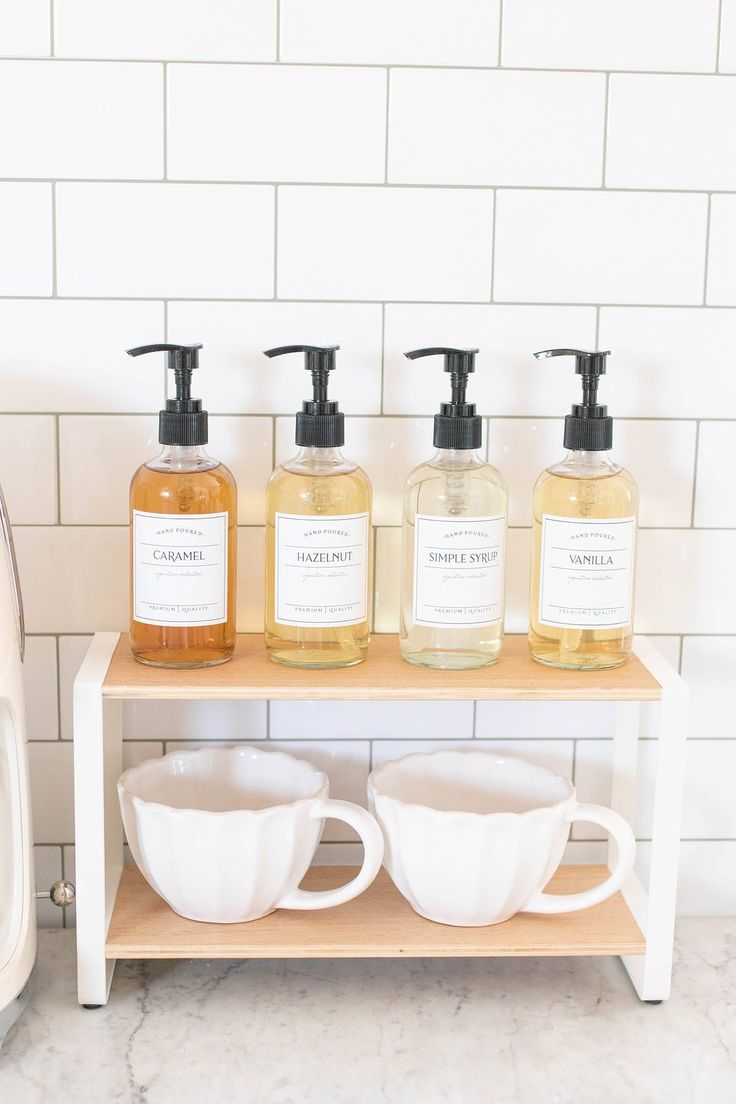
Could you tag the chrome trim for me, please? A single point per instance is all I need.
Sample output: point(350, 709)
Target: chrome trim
point(7, 535)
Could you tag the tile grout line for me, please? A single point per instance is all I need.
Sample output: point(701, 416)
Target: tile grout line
point(52, 30)
point(707, 250)
point(57, 644)
point(278, 30)
point(499, 56)
point(435, 303)
point(383, 361)
point(165, 120)
point(493, 246)
point(57, 450)
point(718, 36)
point(386, 124)
point(605, 129)
point(695, 478)
point(275, 295)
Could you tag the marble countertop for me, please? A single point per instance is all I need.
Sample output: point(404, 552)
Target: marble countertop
point(492, 1031)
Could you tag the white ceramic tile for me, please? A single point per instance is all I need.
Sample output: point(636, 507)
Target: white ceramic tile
point(518, 557)
point(537, 128)
point(556, 755)
point(584, 851)
point(25, 234)
point(86, 589)
point(387, 448)
point(384, 243)
point(632, 34)
point(137, 752)
point(47, 863)
point(72, 650)
point(345, 762)
point(237, 378)
point(99, 495)
point(661, 132)
point(24, 27)
point(371, 720)
point(706, 885)
point(660, 455)
point(638, 248)
point(52, 791)
point(721, 251)
point(251, 581)
point(727, 57)
point(312, 124)
point(40, 684)
point(709, 668)
point(76, 360)
point(228, 30)
point(28, 468)
point(165, 240)
point(195, 720)
point(685, 583)
point(81, 119)
point(338, 854)
point(715, 496)
point(507, 380)
point(412, 32)
point(386, 580)
point(659, 353)
point(543, 720)
point(669, 647)
point(708, 808)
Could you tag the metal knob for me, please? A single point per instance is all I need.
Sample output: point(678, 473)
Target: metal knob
point(62, 894)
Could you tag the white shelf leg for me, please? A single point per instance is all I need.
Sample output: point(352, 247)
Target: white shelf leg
point(651, 973)
point(98, 747)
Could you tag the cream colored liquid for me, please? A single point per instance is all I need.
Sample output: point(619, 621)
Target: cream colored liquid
point(611, 495)
point(341, 488)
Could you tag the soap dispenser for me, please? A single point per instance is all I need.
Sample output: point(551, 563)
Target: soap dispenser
point(318, 525)
point(183, 507)
point(584, 539)
point(454, 538)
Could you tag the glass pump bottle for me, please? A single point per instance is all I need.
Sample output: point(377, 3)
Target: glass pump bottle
point(318, 524)
point(584, 540)
point(454, 538)
point(183, 507)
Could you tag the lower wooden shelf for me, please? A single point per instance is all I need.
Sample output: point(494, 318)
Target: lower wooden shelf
point(378, 924)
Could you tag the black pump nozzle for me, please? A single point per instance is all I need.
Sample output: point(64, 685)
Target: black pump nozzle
point(588, 425)
point(183, 422)
point(457, 426)
point(319, 423)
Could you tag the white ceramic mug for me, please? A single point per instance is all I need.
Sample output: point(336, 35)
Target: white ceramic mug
point(473, 837)
point(226, 834)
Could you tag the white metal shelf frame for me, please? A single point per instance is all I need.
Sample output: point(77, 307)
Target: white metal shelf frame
point(99, 833)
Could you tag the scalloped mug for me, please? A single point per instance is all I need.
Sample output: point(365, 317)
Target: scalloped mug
point(226, 834)
point(471, 837)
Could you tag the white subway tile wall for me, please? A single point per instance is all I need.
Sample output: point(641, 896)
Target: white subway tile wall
point(381, 175)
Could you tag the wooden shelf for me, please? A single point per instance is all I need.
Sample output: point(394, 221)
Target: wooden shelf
point(378, 924)
point(250, 674)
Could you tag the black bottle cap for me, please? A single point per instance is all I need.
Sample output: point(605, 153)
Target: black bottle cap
point(588, 426)
point(457, 426)
point(319, 423)
point(183, 422)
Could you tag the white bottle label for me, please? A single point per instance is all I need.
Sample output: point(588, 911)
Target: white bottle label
point(179, 569)
point(458, 570)
point(321, 570)
point(587, 572)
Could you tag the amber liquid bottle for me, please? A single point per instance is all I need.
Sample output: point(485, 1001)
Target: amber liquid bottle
point(584, 541)
point(183, 536)
point(318, 523)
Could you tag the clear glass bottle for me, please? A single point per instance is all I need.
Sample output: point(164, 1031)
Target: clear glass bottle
point(584, 542)
point(183, 537)
point(318, 546)
point(453, 540)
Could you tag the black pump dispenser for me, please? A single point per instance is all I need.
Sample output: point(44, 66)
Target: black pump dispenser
point(319, 423)
point(457, 426)
point(183, 422)
point(588, 426)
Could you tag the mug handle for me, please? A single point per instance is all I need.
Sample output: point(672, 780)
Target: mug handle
point(573, 902)
point(372, 839)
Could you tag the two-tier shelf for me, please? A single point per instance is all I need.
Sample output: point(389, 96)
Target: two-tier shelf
point(120, 917)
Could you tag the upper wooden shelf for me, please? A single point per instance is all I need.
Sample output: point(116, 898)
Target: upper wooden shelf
point(250, 674)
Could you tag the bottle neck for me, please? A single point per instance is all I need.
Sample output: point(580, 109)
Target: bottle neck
point(182, 458)
point(315, 460)
point(587, 462)
point(457, 458)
